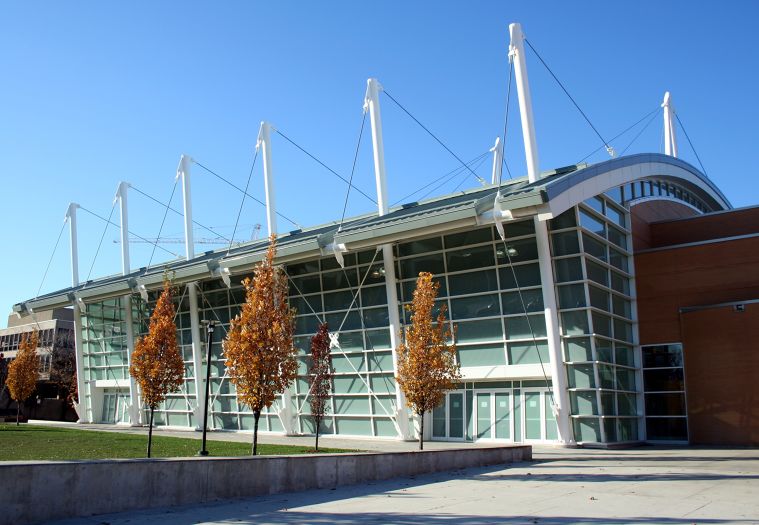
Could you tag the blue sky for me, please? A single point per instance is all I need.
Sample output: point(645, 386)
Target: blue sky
point(95, 93)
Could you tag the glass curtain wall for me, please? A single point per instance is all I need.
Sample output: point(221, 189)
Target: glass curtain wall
point(104, 350)
point(177, 409)
point(592, 258)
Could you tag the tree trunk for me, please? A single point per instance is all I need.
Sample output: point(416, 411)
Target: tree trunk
point(256, 417)
point(150, 431)
point(18, 412)
point(421, 431)
point(317, 422)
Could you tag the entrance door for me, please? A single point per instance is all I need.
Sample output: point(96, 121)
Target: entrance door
point(448, 419)
point(533, 416)
point(539, 419)
point(109, 408)
point(484, 419)
point(502, 415)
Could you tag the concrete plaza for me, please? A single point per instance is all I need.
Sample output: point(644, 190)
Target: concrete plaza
point(641, 485)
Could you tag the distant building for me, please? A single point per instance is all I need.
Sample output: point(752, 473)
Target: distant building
point(55, 330)
point(54, 327)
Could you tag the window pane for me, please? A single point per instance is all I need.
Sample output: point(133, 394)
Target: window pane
point(574, 323)
point(432, 263)
point(477, 306)
point(597, 273)
point(519, 228)
point(565, 220)
point(662, 356)
point(518, 251)
point(663, 380)
point(473, 331)
point(470, 258)
point(526, 275)
point(571, 296)
point(470, 237)
point(466, 283)
point(618, 237)
point(601, 324)
point(421, 246)
point(666, 428)
point(615, 215)
point(527, 353)
point(578, 349)
point(593, 247)
point(520, 328)
point(568, 270)
point(665, 404)
point(565, 243)
point(481, 355)
point(598, 298)
point(592, 224)
point(530, 301)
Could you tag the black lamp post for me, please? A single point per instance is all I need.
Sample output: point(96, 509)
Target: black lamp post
point(209, 342)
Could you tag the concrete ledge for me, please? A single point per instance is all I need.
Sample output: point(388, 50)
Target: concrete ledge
point(38, 491)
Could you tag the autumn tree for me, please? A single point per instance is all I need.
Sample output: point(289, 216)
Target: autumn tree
point(156, 361)
point(259, 349)
point(23, 371)
point(427, 365)
point(320, 378)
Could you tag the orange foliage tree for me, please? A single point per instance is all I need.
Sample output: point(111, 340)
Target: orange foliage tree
point(156, 361)
point(426, 361)
point(320, 378)
point(23, 371)
point(259, 351)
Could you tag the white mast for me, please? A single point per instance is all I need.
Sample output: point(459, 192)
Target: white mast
point(371, 104)
point(264, 142)
point(126, 301)
point(183, 172)
point(558, 374)
point(264, 139)
point(670, 140)
point(516, 53)
point(80, 406)
point(497, 151)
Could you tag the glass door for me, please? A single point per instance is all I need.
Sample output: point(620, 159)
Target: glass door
point(484, 419)
point(456, 415)
point(502, 415)
point(533, 417)
point(448, 419)
point(109, 408)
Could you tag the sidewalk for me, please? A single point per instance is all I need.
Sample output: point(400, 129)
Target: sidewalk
point(370, 444)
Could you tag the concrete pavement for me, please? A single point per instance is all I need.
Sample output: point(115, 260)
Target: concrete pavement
point(327, 441)
point(561, 486)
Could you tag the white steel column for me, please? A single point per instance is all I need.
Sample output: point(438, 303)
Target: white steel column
point(126, 301)
point(286, 415)
point(264, 139)
point(497, 150)
point(558, 372)
point(183, 171)
point(516, 53)
point(670, 141)
point(371, 103)
point(81, 405)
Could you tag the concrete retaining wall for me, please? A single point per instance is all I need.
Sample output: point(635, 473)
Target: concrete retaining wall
point(37, 491)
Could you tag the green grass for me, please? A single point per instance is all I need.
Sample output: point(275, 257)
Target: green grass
point(25, 442)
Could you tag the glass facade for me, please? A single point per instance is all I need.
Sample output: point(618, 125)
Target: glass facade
point(592, 259)
point(494, 295)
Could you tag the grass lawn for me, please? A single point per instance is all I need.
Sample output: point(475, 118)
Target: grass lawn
point(26, 442)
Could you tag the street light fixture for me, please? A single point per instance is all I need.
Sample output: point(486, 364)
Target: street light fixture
point(209, 342)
